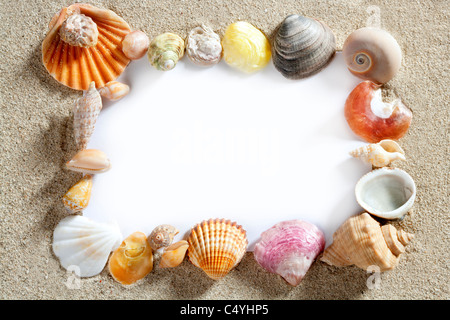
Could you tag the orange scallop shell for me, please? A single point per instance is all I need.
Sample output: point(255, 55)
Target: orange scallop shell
point(217, 246)
point(77, 67)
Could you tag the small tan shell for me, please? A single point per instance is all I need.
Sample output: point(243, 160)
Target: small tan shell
point(174, 254)
point(77, 197)
point(76, 67)
point(132, 260)
point(85, 113)
point(79, 30)
point(135, 45)
point(361, 241)
point(165, 51)
point(162, 236)
point(89, 161)
point(372, 54)
point(380, 154)
point(114, 90)
point(217, 246)
point(203, 46)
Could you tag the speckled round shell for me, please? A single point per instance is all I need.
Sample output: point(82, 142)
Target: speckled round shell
point(302, 47)
point(162, 236)
point(76, 67)
point(217, 246)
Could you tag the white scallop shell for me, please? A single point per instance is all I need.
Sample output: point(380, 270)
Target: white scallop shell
point(84, 245)
point(387, 193)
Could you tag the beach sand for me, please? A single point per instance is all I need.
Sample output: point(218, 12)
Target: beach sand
point(36, 141)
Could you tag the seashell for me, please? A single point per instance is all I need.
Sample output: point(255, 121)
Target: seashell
point(372, 54)
point(75, 66)
point(245, 47)
point(85, 113)
point(372, 119)
point(289, 248)
point(174, 254)
point(135, 45)
point(379, 154)
point(302, 47)
point(114, 90)
point(162, 236)
point(132, 260)
point(217, 246)
point(84, 245)
point(165, 51)
point(77, 197)
point(387, 193)
point(89, 161)
point(361, 241)
point(203, 46)
point(79, 30)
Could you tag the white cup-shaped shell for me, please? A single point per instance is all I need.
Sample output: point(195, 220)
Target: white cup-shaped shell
point(387, 193)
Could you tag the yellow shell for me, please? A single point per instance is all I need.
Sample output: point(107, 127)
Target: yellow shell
point(75, 66)
point(77, 197)
point(174, 254)
point(133, 260)
point(361, 241)
point(217, 246)
point(245, 47)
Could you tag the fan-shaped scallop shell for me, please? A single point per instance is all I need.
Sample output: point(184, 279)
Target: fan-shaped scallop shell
point(245, 47)
point(165, 51)
point(85, 113)
point(203, 46)
point(84, 245)
point(363, 242)
point(289, 248)
point(217, 246)
point(302, 47)
point(132, 260)
point(77, 197)
point(372, 54)
point(75, 66)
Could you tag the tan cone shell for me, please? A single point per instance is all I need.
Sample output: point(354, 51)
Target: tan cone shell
point(77, 67)
point(217, 246)
point(361, 241)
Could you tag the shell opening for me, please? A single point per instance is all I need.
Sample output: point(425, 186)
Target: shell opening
point(382, 109)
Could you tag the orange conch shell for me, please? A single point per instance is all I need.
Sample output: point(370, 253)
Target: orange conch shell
point(361, 241)
point(75, 66)
point(77, 197)
point(217, 246)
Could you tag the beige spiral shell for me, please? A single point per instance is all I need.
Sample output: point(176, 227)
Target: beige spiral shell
point(363, 242)
point(379, 154)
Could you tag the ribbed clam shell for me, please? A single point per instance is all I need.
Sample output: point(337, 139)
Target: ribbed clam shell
point(289, 248)
point(77, 67)
point(85, 113)
point(217, 246)
point(363, 242)
point(78, 196)
point(302, 47)
point(84, 244)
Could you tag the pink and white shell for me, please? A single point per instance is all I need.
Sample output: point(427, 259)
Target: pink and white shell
point(289, 248)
